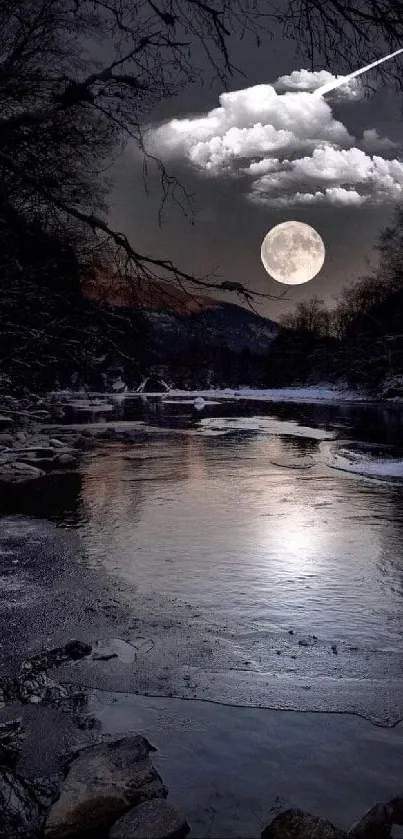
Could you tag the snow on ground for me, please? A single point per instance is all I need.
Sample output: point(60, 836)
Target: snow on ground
point(265, 425)
point(292, 394)
point(199, 402)
point(361, 463)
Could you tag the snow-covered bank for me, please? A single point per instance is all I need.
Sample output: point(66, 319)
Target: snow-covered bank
point(263, 425)
point(291, 394)
point(364, 461)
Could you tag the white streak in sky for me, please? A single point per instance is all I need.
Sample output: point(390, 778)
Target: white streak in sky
point(284, 139)
point(326, 88)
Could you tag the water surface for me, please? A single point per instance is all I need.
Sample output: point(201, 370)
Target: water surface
point(254, 516)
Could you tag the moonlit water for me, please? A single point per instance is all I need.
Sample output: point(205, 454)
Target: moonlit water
point(259, 546)
point(253, 518)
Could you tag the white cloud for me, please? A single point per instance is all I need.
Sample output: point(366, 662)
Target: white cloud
point(289, 144)
point(371, 141)
point(308, 80)
point(340, 177)
point(335, 196)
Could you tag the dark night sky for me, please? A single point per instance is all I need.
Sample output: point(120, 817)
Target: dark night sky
point(228, 228)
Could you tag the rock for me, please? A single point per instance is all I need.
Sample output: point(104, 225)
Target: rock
point(56, 444)
point(104, 656)
point(10, 742)
point(376, 824)
point(21, 436)
point(17, 473)
point(25, 466)
point(103, 781)
point(150, 820)
point(72, 651)
point(39, 688)
point(87, 432)
point(21, 815)
point(392, 388)
point(397, 809)
point(45, 790)
point(77, 649)
point(295, 824)
point(6, 439)
point(33, 685)
point(44, 463)
point(36, 450)
point(65, 459)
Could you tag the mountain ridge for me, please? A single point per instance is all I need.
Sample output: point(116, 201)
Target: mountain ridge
point(178, 318)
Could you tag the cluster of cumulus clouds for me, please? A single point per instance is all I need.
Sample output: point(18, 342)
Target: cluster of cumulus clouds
point(287, 145)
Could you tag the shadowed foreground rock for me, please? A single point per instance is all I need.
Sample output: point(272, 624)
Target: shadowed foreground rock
point(33, 685)
point(151, 820)
point(376, 824)
point(102, 783)
point(10, 742)
point(21, 814)
point(295, 824)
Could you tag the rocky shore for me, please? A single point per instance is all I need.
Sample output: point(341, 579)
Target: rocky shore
point(33, 453)
point(102, 789)
point(109, 788)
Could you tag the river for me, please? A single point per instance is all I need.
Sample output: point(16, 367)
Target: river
point(260, 548)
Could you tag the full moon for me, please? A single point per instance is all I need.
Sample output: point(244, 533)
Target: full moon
point(292, 252)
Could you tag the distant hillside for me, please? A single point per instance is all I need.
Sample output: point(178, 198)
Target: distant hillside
point(222, 324)
point(178, 319)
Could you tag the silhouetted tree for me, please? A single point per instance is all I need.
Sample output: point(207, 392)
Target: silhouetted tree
point(351, 32)
point(77, 80)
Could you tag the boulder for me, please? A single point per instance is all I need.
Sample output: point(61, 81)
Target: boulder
point(102, 783)
point(397, 809)
point(6, 438)
point(77, 649)
point(65, 459)
point(16, 473)
point(376, 824)
point(150, 820)
point(21, 815)
point(10, 742)
point(33, 685)
point(296, 824)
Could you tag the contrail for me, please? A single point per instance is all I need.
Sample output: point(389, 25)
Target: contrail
point(326, 88)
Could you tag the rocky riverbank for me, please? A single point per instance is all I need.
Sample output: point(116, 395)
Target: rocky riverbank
point(32, 453)
point(103, 788)
point(109, 787)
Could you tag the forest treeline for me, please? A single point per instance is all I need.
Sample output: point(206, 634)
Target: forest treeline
point(358, 341)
